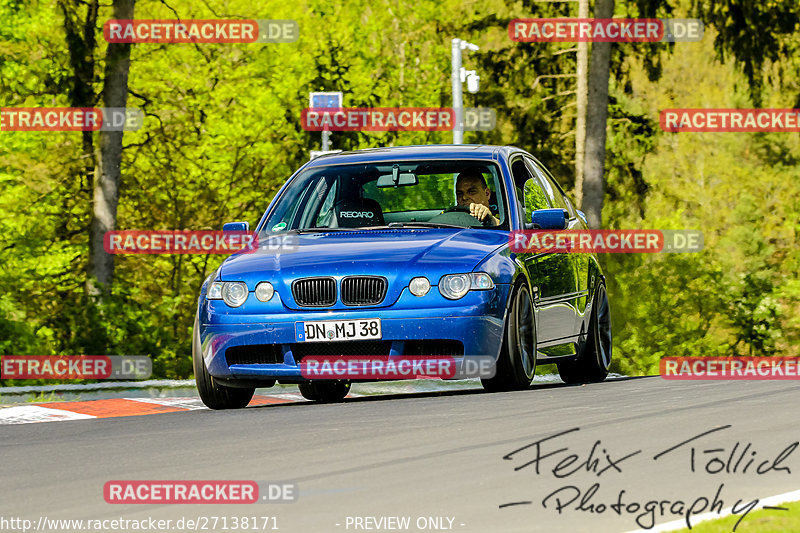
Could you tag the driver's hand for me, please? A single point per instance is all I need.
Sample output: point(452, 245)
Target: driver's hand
point(480, 212)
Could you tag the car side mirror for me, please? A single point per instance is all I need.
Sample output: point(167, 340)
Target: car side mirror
point(236, 226)
point(550, 218)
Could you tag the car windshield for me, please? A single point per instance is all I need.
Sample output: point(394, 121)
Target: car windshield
point(396, 194)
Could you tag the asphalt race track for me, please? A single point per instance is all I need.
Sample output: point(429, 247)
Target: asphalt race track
point(461, 460)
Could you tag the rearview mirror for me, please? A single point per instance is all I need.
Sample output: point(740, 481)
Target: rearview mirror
point(397, 179)
point(550, 218)
point(403, 180)
point(236, 226)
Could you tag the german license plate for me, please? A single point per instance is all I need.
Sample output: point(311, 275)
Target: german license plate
point(338, 330)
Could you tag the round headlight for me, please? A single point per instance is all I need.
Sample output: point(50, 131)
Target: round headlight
point(264, 291)
point(454, 286)
point(234, 293)
point(419, 286)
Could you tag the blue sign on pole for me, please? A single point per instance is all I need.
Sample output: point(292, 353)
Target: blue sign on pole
point(325, 100)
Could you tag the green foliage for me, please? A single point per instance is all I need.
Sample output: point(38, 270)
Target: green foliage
point(222, 133)
point(756, 34)
point(739, 295)
point(758, 521)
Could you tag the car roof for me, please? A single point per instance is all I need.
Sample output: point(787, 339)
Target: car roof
point(429, 151)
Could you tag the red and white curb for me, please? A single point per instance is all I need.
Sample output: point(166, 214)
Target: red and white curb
point(119, 407)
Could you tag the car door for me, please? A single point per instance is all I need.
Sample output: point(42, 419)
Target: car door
point(559, 290)
point(550, 279)
point(582, 261)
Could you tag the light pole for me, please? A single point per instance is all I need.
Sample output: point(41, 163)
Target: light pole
point(583, 96)
point(459, 75)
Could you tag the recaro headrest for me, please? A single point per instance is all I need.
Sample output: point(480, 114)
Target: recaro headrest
point(358, 212)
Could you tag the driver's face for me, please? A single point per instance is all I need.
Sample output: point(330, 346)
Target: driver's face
point(471, 191)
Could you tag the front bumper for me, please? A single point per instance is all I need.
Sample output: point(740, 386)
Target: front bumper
point(477, 323)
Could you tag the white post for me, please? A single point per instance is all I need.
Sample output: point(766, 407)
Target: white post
point(458, 100)
point(326, 140)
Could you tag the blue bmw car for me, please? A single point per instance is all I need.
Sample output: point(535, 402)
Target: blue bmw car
point(397, 252)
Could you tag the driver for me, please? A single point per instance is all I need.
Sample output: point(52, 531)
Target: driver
point(471, 190)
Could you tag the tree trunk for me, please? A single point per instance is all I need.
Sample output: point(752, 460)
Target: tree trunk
point(596, 117)
point(109, 157)
point(580, 124)
point(81, 44)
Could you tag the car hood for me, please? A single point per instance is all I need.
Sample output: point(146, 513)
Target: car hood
point(396, 254)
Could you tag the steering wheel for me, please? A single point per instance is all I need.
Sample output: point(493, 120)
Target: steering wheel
point(461, 208)
point(465, 209)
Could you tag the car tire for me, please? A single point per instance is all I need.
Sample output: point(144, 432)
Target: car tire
point(594, 357)
point(214, 395)
point(325, 391)
point(516, 363)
